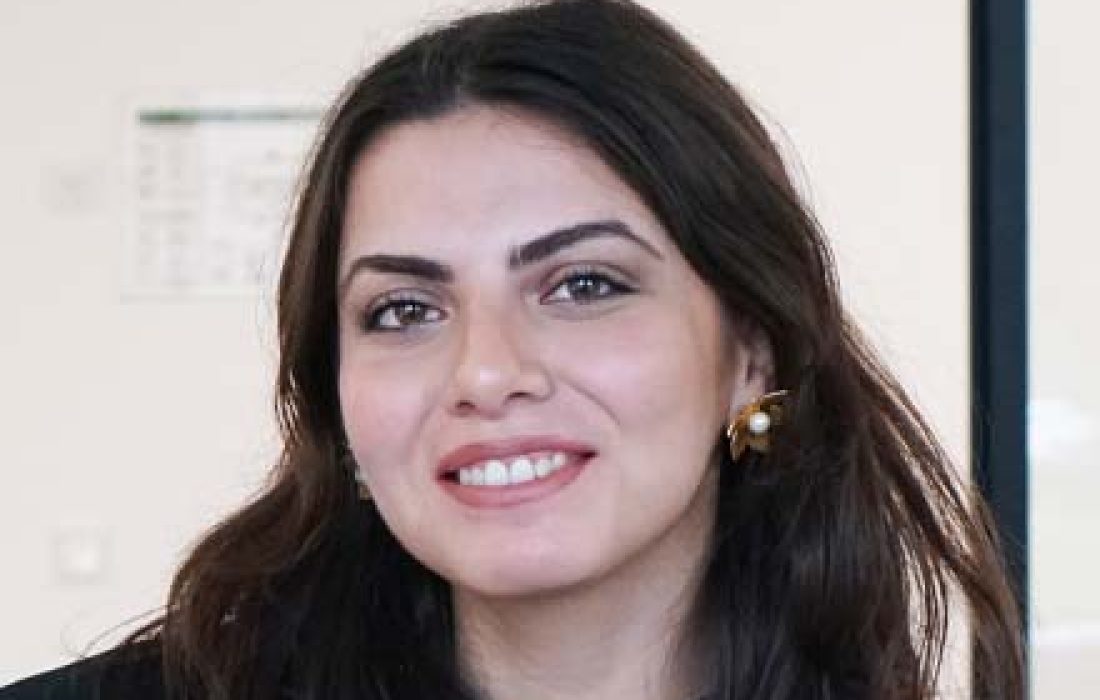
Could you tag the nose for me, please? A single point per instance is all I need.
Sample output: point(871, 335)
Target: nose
point(498, 364)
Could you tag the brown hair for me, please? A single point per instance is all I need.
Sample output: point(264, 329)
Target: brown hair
point(835, 554)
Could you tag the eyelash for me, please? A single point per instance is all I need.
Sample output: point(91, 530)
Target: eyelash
point(612, 286)
point(392, 303)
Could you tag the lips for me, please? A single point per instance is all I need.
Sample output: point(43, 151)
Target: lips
point(479, 453)
point(510, 472)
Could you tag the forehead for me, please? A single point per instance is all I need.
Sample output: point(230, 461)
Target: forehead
point(480, 171)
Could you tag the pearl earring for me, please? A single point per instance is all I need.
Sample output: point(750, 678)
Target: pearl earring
point(752, 426)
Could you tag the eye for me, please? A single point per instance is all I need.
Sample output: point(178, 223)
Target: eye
point(400, 313)
point(585, 287)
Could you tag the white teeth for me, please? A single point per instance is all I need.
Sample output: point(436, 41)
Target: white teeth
point(543, 466)
point(520, 470)
point(496, 473)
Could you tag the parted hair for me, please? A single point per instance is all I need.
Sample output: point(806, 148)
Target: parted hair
point(835, 555)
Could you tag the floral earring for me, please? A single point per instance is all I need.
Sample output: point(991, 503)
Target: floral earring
point(753, 424)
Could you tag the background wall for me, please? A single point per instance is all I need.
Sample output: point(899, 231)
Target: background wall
point(1065, 344)
point(129, 426)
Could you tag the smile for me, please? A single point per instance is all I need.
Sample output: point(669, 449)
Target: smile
point(497, 472)
point(513, 471)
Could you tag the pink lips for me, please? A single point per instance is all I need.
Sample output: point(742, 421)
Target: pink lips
point(577, 455)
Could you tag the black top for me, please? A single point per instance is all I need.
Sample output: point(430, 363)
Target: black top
point(130, 674)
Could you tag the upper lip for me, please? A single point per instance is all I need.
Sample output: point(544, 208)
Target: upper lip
point(474, 452)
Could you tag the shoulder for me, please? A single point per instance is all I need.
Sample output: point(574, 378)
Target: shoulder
point(120, 674)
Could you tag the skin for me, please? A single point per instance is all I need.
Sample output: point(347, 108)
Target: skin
point(610, 341)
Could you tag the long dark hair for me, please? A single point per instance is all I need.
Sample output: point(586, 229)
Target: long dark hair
point(836, 554)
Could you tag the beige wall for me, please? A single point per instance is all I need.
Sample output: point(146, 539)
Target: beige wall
point(1065, 345)
point(131, 426)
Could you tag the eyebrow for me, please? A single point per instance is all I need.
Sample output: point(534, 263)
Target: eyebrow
point(553, 242)
point(527, 254)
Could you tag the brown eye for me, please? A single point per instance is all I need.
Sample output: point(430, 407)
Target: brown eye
point(589, 287)
point(400, 314)
point(584, 288)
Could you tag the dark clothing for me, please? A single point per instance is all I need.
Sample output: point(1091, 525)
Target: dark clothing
point(132, 673)
point(129, 674)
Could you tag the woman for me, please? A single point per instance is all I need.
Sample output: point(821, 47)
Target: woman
point(571, 410)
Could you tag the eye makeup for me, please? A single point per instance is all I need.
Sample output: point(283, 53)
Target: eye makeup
point(400, 310)
point(585, 284)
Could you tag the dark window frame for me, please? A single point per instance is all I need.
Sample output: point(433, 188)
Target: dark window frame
point(998, 303)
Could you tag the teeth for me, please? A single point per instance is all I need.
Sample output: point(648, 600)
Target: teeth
point(543, 466)
point(520, 470)
point(496, 473)
point(477, 476)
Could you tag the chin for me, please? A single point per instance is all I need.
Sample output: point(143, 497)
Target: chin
point(517, 585)
point(520, 575)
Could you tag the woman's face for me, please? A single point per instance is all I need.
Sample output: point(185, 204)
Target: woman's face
point(532, 378)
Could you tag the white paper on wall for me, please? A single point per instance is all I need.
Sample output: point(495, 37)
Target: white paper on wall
point(211, 190)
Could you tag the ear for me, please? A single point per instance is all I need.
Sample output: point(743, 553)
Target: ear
point(754, 368)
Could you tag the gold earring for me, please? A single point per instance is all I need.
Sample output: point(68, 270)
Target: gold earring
point(753, 424)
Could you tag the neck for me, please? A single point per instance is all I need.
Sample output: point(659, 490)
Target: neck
point(628, 635)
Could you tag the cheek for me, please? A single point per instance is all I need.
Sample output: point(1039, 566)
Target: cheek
point(656, 378)
point(381, 406)
point(650, 366)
